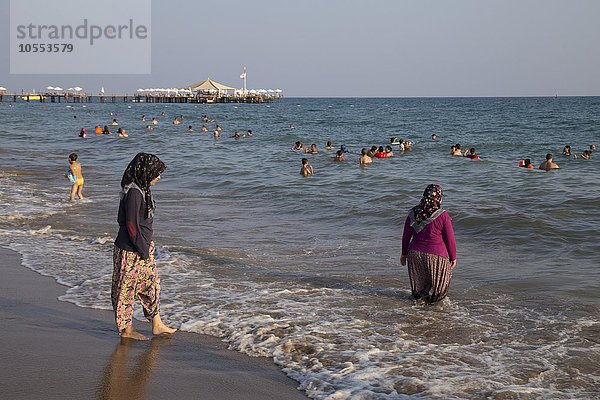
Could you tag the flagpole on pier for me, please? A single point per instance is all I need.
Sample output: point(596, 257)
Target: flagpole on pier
point(243, 76)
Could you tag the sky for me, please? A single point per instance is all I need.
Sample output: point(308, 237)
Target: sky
point(352, 48)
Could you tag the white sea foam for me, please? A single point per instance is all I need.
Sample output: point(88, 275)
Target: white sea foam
point(339, 342)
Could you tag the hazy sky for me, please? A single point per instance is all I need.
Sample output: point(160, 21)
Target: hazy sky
point(361, 48)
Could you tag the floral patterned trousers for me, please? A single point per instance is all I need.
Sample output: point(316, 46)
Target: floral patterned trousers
point(134, 277)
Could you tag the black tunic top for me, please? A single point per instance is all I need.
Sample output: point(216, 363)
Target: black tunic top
point(135, 230)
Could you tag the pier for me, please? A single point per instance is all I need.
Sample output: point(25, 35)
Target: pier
point(136, 98)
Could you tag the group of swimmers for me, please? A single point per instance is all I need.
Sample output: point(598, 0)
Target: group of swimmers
point(456, 151)
point(586, 154)
point(366, 156)
point(103, 131)
point(549, 164)
point(176, 121)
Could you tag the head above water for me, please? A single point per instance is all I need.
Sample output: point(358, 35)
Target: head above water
point(304, 161)
point(72, 157)
point(549, 157)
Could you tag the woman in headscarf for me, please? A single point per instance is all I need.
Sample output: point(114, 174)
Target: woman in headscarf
point(429, 247)
point(134, 273)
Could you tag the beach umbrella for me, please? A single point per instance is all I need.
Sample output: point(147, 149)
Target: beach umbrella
point(278, 90)
point(2, 88)
point(50, 88)
point(70, 89)
point(271, 91)
point(77, 88)
point(140, 90)
point(58, 88)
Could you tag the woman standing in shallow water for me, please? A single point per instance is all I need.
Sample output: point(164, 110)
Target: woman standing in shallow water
point(134, 273)
point(429, 247)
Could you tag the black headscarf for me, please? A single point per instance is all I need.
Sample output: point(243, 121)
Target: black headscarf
point(142, 170)
point(430, 203)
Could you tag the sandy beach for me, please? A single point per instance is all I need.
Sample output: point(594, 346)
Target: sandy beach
point(56, 350)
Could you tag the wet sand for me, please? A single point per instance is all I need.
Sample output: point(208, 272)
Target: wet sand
point(56, 350)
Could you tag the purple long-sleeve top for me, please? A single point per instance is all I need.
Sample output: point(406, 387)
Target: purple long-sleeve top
point(436, 238)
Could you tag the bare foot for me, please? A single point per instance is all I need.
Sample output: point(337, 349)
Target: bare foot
point(162, 329)
point(159, 328)
point(131, 334)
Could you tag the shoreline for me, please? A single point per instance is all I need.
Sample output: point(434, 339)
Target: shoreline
point(58, 350)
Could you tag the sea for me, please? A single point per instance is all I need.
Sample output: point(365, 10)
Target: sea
point(305, 270)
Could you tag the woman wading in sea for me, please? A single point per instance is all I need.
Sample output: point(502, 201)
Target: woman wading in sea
point(429, 247)
point(134, 273)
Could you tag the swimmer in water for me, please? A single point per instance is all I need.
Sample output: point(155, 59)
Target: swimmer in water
point(122, 132)
point(548, 164)
point(526, 163)
point(114, 122)
point(306, 169)
point(154, 121)
point(389, 152)
point(190, 129)
point(381, 153)
point(456, 150)
point(203, 129)
point(471, 154)
point(106, 131)
point(82, 133)
point(371, 153)
point(364, 158)
point(329, 146)
point(312, 150)
point(298, 146)
point(339, 156)
point(75, 176)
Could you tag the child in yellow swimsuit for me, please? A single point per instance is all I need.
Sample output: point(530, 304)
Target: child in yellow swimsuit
point(75, 177)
